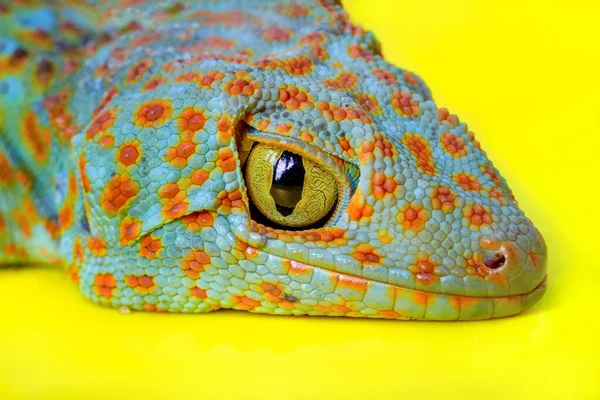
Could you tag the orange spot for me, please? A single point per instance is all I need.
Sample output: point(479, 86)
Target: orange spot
point(153, 112)
point(413, 217)
point(497, 194)
point(390, 314)
point(283, 128)
point(104, 284)
point(97, 246)
point(490, 244)
point(424, 272)
point(383, 185)
point(369, 103)
point(37, 139)
point(189, 76)
point(192, 119)
point(358, 207)
point(199, 293)
point(242, 85)
point(385, 75)
point(466, 181)
point(366, 254)
point(145, 39)
point(223, 124)
point(313, 38)
point(129, 230)
point(129, 154)
point(153, 83)
point(277, 33)
point(476, 144)
point(322, 309)
point(196, 220)
point(410, 78)
point(478, 215)
point(245, 303)
point(443, 198)
point(210, 77)
point(101, 123)
point(298, 268)
point(6, 170)
point(492, 173)
point(367, 149)
point(421, 150)
point(169, 190)
point(453, 145)
point(338, 113)
point(59, 115)
point(299, 65)
point(85, 182)
point(194, 262)
point(107, 98)
point(404, 104)
point(142, 284)
point(231, 199)
point(358, 51)
point(73, 273)
point(65, 216)
point(271, 289)
point(343, 81)
point(444, 115)
point(150, 246)
point(340, 309)
point(120, 189)
point(138, 70)
point(294, 98)
point(294, 10)
point(199, 177)
point(226, 160)
point(178, 156)
point(177, 206)
point(106, 141)
point(352, 282)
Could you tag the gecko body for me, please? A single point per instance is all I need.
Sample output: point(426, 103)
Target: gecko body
point(260, 156)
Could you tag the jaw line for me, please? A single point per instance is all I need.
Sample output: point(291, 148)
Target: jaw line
point(467, 307)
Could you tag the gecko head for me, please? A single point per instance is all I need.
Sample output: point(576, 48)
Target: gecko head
point(292, 186)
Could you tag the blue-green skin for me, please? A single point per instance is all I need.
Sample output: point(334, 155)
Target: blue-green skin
point(421, 271)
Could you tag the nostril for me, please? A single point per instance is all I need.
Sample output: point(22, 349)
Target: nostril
point(495, 260)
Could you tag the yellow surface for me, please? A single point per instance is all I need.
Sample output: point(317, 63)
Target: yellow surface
point(524, 75)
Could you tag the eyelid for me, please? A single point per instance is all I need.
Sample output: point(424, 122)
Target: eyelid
point(345, 173)
point(333, 164)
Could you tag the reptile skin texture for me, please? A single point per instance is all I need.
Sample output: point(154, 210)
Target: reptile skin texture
point(139, 145)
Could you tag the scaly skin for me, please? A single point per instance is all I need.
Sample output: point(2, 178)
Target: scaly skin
point(126, 165)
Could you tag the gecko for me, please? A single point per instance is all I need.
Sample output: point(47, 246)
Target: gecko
point(191, 156)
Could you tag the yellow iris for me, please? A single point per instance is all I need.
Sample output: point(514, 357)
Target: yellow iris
point(288, 189)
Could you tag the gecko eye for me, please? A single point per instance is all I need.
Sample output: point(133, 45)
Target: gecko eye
point(289, 191)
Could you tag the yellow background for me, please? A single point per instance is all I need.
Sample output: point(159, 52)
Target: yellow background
point(524, 76)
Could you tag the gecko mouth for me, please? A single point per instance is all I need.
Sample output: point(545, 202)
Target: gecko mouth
point(397, 302)
point(420, 304)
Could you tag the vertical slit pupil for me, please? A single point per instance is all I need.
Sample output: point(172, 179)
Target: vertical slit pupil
point(288, 182)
